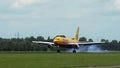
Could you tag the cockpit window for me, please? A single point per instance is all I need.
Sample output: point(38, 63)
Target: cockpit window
point(57, 38)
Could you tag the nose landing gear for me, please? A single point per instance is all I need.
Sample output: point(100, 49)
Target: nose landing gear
point(58, 49)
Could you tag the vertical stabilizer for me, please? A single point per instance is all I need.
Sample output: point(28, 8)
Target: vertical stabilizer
point(77, 34)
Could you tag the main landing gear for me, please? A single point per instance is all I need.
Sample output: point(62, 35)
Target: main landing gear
point(74, 51)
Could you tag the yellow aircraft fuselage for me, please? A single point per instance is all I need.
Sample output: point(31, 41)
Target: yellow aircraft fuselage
point(62, 41)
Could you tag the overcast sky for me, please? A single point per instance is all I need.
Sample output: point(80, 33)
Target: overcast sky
point(96, 18)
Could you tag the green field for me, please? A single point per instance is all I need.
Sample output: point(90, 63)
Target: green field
point(57, 60)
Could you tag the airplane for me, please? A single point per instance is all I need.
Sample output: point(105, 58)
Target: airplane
point(63, 42)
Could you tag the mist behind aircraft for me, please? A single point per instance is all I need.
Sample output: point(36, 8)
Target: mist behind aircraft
point(93, 49)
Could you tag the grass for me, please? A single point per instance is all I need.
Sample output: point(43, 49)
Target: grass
point(57, 60)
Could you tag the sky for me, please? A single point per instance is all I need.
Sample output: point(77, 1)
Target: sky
point(97, 19)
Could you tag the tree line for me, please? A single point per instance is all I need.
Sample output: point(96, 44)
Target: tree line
point(25, 44)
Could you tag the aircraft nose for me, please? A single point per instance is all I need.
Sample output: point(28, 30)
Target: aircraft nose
point(55, 41)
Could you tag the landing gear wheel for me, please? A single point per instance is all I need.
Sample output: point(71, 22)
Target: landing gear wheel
point(58, 51)
point(74, 51)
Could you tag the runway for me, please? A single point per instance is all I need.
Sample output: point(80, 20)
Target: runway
point(54, 52)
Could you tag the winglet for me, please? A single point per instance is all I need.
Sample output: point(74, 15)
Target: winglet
point(77, 34)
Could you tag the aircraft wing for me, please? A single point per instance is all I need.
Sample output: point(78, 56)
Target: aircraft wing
point(89, 43)
point(46, 43)
point(86, 43)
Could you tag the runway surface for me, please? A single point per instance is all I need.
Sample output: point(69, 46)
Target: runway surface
point(54, 52)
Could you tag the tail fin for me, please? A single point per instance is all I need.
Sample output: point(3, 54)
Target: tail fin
point(77, 34)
